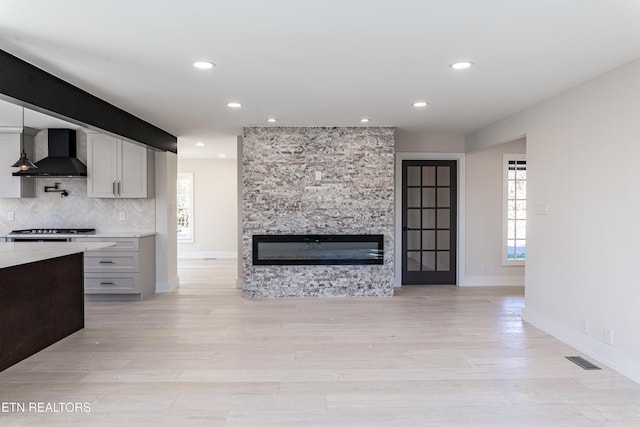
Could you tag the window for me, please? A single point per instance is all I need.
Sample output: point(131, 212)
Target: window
point(185, 207)
point(514, 234)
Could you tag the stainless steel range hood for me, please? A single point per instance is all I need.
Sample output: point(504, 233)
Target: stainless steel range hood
point(61, 160)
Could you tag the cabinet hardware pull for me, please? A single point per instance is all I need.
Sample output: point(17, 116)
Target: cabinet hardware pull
point(106, 283)
point(106, 262)
point(113, 188)
point(118, 188)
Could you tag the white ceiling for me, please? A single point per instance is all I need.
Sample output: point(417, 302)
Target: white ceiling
point(320, 62)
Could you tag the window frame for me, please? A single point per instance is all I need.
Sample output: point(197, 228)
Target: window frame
point(506, 158)
point(190, 236)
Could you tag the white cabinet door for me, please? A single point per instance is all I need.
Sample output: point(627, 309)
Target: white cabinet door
point(14, 186)
point(102, 165)
point(133, 181)
point(116, 168)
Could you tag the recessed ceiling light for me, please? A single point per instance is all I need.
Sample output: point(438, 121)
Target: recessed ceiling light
point(234, 105)
point(420, 104)
point(222, 156)
point(200, 144)
point(203, 65)
point(272, 120)
point(364, 120)
point(462, 65)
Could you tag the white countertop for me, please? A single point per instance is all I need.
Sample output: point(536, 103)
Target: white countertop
point(18, 253)
point(136, 234)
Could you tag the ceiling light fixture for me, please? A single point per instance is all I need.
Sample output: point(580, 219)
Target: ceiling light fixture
point(203, 65)
point(234, 105)
point(462, 65)
point(420, 104)
point(199, 144)
point(222, 156)
point(272, 120)
point(364, 120)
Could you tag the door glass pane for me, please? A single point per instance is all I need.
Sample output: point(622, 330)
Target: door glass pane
point(443, 197)
point(444, 173)
point(443, 239)
point(521, 209)
point(413, 197)
point(511, 249)
point(429, 240)
point(521, 249)
point(428, 218)
point(413, 176)
point(521, 229)
point(413, 240)
point(413, 261)
point(511, 209)
point(428, 197)
point(428, 261)
point(443, 261)
point(511, 228)
point(428, 176)
point(521, 190)
point(443, 218)
point(413, 218)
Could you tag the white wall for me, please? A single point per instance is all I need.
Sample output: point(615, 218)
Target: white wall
point(582, 152)
point(484, 217)
point(215, 193)
point(166, 222)
point(428, 143)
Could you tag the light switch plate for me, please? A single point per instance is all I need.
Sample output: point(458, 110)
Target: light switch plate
point(542, 208)
point(11, 216)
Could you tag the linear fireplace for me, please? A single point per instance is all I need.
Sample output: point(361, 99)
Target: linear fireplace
point(314, 249)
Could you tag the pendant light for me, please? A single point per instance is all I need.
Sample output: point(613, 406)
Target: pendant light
point(23, 163)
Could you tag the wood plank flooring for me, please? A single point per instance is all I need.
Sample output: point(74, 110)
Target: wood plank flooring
point(430, 356)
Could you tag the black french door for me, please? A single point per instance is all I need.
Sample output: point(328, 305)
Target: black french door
point(429, 218)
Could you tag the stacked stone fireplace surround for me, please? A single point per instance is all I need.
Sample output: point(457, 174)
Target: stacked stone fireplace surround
point(283, 195)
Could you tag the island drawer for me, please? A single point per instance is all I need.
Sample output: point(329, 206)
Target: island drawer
point(114, 283)
point(130, 244)
point(104, 262)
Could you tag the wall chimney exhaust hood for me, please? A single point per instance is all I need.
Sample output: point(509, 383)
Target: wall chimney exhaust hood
point(61, 160)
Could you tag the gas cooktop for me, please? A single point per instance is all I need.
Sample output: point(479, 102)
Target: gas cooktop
point(55, 231)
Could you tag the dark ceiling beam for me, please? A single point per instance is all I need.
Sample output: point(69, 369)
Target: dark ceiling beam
point(33, 86)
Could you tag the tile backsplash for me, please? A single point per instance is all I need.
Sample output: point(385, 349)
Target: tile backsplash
point(51, 210)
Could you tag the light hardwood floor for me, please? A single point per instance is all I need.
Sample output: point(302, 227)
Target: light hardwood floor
point(430, 356)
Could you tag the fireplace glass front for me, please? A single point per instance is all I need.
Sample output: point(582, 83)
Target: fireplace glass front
point(335, 249)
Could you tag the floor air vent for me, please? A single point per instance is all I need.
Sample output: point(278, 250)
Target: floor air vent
point(583, 363)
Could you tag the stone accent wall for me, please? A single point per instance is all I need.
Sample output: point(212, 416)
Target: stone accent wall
point(282, 196)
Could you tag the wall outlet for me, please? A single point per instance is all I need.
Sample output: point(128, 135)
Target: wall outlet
point(318, 175)
point(584, 326)
point(608, 336)
point(122, 216)
point(11, 216)
point(485, 269)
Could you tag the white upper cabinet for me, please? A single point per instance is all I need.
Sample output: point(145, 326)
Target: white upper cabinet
point(10, 148)
point(117, 168)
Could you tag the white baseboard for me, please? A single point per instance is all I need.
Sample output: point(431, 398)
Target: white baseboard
point(486, 280)
point(207, 254)
point(588, 345)
point(170, 286)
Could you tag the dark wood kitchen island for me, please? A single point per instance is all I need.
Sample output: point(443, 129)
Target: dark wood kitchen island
point(41, 296)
